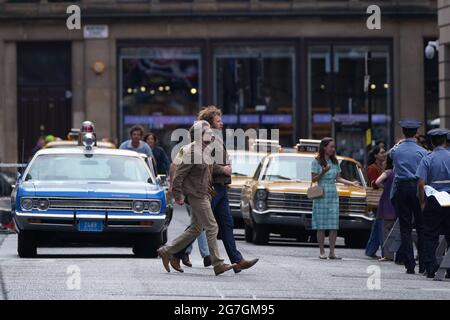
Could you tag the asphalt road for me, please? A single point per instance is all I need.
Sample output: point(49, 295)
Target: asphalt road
point(287, 270)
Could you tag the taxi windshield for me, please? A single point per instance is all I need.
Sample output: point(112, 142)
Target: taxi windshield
point(245, 164)
point(70, 167)
point(299, 169)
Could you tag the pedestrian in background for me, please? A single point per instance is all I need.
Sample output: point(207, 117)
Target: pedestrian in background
point(385, 210)
point(376, 163)
point(162, 161)
point(406, 156)
point(325, 170)
point(135, 142)
point(434, 170)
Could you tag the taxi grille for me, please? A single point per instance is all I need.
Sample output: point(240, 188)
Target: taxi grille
point(234, 196)
point(300, 202)
point(91, 204)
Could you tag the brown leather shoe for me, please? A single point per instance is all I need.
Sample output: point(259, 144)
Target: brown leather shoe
point(223, 268)
point(165, 257)
point(175, 263)
point(244, 264)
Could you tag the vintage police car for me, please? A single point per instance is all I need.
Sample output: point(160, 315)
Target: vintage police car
point(275, 201)
point(89, 195)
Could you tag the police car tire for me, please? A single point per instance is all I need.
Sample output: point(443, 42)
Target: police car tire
point(260, 234)
point(164, 237)
point(248, 233)
point(26, 245)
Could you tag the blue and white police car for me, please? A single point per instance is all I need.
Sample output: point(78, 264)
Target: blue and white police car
point(89, 195)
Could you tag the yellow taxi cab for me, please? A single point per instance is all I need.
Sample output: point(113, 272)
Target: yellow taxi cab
point(275, 199)
point(244, 164)
point(72, 141)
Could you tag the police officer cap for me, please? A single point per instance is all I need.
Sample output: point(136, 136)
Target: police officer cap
point(410, 124)
point(438, 132)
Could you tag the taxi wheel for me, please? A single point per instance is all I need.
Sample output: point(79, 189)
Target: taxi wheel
point(26, 245)
point(248, 233)
point(260, 234)
point(146, 246)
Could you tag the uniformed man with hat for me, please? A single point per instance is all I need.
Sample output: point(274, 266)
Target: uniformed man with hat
point(434, 170)
point(407, 156)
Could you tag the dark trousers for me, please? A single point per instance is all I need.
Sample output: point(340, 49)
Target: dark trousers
point(221, 209)
point(436, 222)
point(407, 207)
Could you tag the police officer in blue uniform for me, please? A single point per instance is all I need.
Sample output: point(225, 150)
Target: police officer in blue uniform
point(406, 156)
point(434, 170)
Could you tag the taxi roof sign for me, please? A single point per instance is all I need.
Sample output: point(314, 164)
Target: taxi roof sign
point(264, 145)
point(308, 145)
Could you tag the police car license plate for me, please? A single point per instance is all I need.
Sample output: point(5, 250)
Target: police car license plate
point(90, 226)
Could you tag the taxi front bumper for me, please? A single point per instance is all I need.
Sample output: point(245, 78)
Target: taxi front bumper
point(297, 219)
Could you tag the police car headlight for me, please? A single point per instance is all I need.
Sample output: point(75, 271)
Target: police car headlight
point(26, 204)
point(260, 205)
point(261, 194)
point(43, 204)
point(154, 206)
point(138, 206)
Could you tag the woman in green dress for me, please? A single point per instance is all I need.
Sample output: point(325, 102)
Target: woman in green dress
point(326, 171)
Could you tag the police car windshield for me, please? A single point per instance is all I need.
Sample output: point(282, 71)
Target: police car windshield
point(245, 164)
point(299, 169)
point(71, 167)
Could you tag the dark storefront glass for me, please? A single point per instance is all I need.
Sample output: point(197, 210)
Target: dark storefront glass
point(160, 89)
point(255, 88)
point(431, 91)
point(339, 104)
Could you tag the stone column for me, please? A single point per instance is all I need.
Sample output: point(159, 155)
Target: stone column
point(444, 62)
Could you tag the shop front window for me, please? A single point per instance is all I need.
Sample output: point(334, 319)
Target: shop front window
point(254, 86)
point(160, 89)
point(342, 96)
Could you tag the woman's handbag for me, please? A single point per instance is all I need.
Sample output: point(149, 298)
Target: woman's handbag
point(315, 192)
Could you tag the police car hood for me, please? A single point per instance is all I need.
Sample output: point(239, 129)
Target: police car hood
point(90, 189)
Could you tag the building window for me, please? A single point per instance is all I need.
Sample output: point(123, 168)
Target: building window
point(254, 85)
point(340, 98)
point(160, 89)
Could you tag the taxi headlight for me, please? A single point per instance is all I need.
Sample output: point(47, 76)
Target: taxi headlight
point(43, 204)
point(26, 204)
point(138, 206)
point(154, 206)
point(261, 194)
point(260, 205)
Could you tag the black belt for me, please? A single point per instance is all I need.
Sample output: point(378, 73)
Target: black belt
point(407, 182)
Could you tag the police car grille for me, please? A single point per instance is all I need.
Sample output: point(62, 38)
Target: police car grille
point(90, 204)
point(234, 196)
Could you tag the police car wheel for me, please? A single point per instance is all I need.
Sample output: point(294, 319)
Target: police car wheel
point(164, 237)
point(260, 234)
point(26, 245)
point(248, 233)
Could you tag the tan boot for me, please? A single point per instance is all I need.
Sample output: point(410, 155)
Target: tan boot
point(244, 264)
point(165, 257)
point(175, 263)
